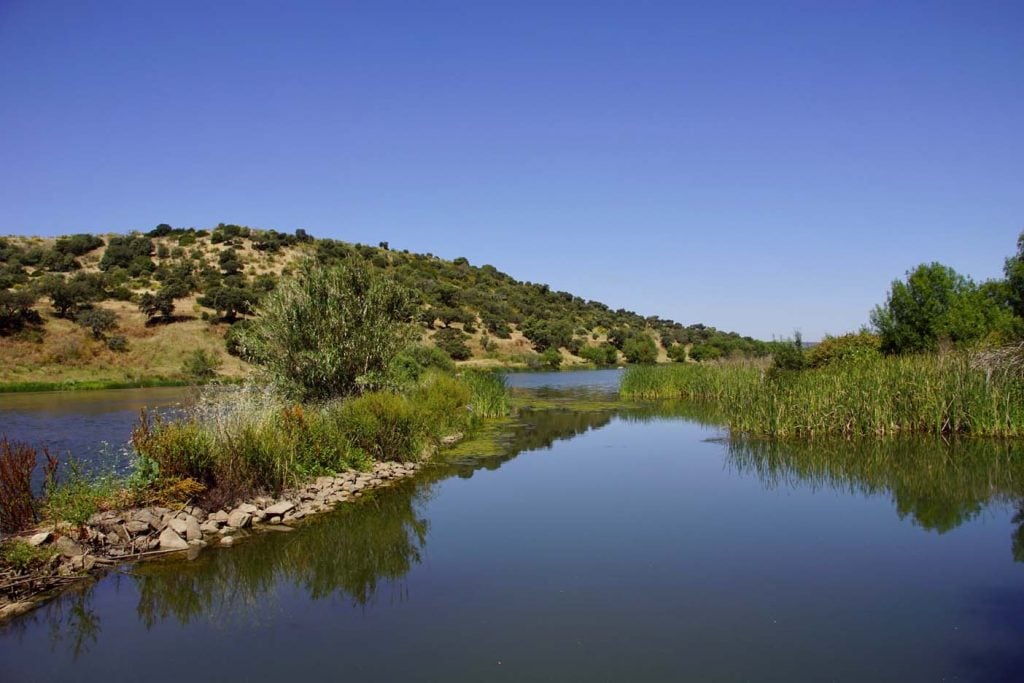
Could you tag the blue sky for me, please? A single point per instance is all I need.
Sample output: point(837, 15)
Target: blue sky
point(761, 167)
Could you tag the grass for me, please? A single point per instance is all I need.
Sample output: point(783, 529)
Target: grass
point(239, 441)
point(22, 556)
point(936, 394)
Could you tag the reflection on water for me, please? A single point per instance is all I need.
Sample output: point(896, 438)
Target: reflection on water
point(938, 484)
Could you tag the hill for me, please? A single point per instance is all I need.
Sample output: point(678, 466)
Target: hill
point(162, 304)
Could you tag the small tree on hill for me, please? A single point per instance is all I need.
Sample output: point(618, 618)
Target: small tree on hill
point(329, 332)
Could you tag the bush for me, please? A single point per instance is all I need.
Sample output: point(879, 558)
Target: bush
point(551, 358)
point(97, 320)
point(640, 349)
point(453, 342)
point(117, 342)
point(330, 332)
point(22, 556)
point(386, 426)
point(18, 508)
point(443, 402)
point(844, 349)
point(202, 365)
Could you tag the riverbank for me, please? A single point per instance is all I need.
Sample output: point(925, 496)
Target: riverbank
point(70, 554)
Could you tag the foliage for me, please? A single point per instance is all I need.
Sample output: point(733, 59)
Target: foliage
point(329, 332)
point(229, 301)
point(98, 321)
point(68, 296)
point(854, 347)
point(602, 354)
point(23, 556)
point(678, 353)
point(882, 396)
point(78, 496)
point(551, 358)
point(18, 508)
point(16, 310)
point(640, 349)
point(77, 245)
point(789, 355)
point(202, 365)
point(131, 252)
point(488, 394)
point(453, 342)
point(936, 304)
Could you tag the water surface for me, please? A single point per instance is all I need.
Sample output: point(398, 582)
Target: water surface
point(628, 544)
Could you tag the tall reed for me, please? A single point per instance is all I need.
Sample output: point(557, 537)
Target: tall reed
point(936, 394)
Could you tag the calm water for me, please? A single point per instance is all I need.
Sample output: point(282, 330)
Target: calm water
point(611, 545)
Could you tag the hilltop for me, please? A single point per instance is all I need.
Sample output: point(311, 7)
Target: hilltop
point(163, 304)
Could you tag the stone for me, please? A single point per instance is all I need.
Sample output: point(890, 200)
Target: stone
point(274, 519)
point(239, 519)
point(170, 540)
point(68, 548)
point(15, 609)
point(247, 507)
point(210, 526)
point(227, 540)
point(39, 539)
point(220, 516)
point(192, 530)
point(179, 526)
point(136, 527)
point(277, 527)
point(280, 508)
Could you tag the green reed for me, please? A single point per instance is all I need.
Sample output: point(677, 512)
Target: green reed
point(878, 397)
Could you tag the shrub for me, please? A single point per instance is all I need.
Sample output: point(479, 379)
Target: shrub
point(384, 425)
point(443, 402)
point(330, 332)
point(202, 365)
point(640, 349)
point(551, 358)
point(16, 310)
point(22, 556)
point(453, 342)
point(97, 320)
point(78, 496)
point(843, 349)
point(117, 342)
point(488, 394)
point(18, 507)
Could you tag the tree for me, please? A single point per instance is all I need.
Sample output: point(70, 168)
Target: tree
point(640, 349)
point(935, 304)
point(231, 301)
point(1013, 269)
point(97, 320)
point(67, 296)
point(325, 333)
point(453, 342)
point(16, 310)
point(551, 358)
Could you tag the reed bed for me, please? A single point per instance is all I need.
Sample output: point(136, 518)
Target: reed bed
point(885, 396)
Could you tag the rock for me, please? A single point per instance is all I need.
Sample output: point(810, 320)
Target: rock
point(280, 508)
point(192, 530)
point(136, 527)
point(210, 526)
point(239, 519)
point(247, 507)
point(179, 526)
point(275, 519)
point(278, 527)
point(227, 540)
point(68, 548)
point(219, 516)
point(169, 540)
point(148, 517)
point(15, 609)
point(39, 539)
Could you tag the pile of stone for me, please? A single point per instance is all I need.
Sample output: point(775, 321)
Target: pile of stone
point(119, 535)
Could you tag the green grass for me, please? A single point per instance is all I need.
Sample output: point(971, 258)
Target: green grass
point(82, 385)
point(19, 554)
point(881, 397)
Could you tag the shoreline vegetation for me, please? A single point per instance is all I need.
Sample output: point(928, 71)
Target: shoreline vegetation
point(886, 396)
point(345, 400)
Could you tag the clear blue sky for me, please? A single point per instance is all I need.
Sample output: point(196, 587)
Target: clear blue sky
point(761, 167)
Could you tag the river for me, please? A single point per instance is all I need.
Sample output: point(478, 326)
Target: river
point(624, 543)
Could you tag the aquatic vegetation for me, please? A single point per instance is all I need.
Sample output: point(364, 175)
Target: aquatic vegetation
point(881, 396)
point(18, 506)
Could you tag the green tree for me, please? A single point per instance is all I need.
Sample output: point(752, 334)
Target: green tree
point(935, 304)
point(329, 332)
point(640, 349)
point(229, 301)
point(97, 320)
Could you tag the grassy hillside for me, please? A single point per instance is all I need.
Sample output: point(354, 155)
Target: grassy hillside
point(124, 308)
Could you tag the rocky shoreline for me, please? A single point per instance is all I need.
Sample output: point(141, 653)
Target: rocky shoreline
point(114, 537)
